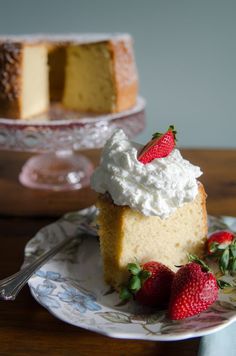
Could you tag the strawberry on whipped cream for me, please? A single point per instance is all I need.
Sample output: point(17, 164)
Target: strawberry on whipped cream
point(157, 188)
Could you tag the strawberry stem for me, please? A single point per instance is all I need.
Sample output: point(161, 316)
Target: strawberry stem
point(134, 268)
point(193, 258)
point(225, 254)
point(221, 284)
point(224, 261)
point(134, 283)
point(159, 134)
point(137, 277)
point(172, 128)
point(125, 294)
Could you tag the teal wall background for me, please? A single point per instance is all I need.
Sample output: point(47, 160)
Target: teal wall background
point(185, 50)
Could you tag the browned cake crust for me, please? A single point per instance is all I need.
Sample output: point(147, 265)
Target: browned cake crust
point(10, 79)
point(125, 76)
point(126, 234)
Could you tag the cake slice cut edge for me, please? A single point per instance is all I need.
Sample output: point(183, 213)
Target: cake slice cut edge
point(23, 79)
point(101, 77)
point(35, 87)
point(127, 235)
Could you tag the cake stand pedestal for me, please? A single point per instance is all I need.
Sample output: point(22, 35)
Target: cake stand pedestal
point(56, 136)
point(62, 170)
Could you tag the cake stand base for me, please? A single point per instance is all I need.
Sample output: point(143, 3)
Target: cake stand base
point(59, 171)
point(58, 133)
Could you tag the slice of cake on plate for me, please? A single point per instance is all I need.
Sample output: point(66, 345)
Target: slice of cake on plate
point(149, 208)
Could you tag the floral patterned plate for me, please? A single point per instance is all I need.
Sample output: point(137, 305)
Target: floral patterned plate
point(71, 287)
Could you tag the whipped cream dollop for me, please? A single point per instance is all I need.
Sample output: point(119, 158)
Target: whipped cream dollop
point(157, 188)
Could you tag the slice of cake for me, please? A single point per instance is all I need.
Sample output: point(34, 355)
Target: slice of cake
point(147, 211)
point(23, 78)
point(101, 77)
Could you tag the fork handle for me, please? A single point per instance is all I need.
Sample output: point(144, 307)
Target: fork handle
point(10, 286)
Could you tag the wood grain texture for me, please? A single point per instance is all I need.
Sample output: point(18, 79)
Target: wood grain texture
point(26, 328)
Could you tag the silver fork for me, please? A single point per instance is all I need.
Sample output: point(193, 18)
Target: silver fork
point(11, 286)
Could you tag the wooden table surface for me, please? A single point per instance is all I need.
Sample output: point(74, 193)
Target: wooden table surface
point(26, 328)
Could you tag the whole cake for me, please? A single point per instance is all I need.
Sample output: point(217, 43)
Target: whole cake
point(88, 73)
point(149, 209)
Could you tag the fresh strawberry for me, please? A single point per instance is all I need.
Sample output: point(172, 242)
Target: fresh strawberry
point(149, 284)
point(218, 238)
point(194, 289)
point(160, 146)
point(222, 246)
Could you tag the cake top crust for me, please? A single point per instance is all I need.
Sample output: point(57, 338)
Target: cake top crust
point(157, 188)
point(76, 38)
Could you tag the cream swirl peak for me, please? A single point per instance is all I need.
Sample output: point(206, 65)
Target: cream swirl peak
point(157, 188)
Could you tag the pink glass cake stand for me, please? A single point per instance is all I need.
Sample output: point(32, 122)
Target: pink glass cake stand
point(56, 136)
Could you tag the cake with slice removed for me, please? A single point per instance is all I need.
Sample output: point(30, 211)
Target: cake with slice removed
point(149, 208)
point(87, 73)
